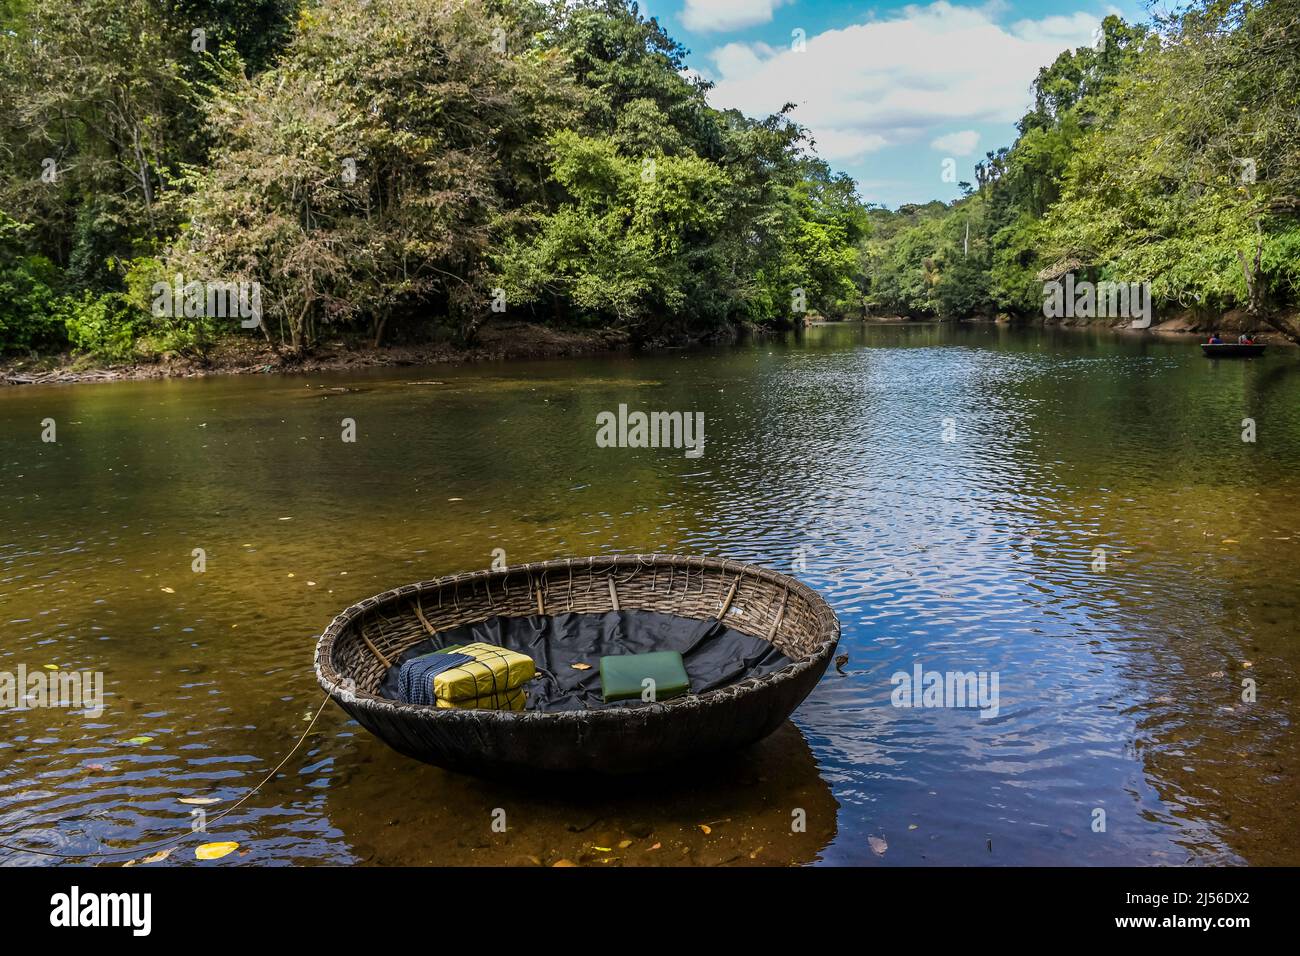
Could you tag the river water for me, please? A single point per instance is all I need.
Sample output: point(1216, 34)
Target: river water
point(1074, 513)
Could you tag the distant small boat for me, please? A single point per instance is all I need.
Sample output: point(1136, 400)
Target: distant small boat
point(1231, 350)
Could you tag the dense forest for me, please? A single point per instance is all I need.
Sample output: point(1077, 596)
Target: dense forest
point(1167, 154)
point(400, 170)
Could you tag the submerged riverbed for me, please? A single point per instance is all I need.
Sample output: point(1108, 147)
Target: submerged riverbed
point(1074, 512)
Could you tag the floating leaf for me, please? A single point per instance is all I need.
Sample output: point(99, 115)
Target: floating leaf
point(580, 666)
point(656, 846)
point(138, 740)
point(199, 801)
point(51, 667)
point(168, 590)
point(878, 845)
point(624, 844)
point(603, 849)
point(153, 857)
point(706, 828)
point(214, 851)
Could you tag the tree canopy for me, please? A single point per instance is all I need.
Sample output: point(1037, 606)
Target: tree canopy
point(1165, 154)
point(408, 169)
point(399, 168)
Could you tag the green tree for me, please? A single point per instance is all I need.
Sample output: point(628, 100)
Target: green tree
point(359, 179)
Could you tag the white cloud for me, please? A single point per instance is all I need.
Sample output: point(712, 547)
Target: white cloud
point(739, 60)
point(727, 14)
point(897, 79)
point(961, 143)
point(847, 142)
point(1064, 28)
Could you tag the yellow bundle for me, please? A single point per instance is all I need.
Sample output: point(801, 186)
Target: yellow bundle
point(510, 700)
point(494, 673)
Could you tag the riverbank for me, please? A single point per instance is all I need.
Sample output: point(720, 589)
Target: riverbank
point(246, 356)
point(1187, 323)
point(495, 342)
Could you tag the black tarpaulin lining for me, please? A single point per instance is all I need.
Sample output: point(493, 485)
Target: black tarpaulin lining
point(714, 654)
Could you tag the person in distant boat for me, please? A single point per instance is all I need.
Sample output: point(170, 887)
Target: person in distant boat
point(1215, 339)
point(1246, 338)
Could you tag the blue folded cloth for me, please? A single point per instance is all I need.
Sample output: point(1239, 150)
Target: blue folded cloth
point(415, 679)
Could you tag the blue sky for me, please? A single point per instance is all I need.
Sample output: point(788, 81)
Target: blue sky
point(888, 89)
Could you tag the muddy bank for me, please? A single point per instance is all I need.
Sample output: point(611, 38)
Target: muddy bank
point(518, 340)
point(242, 356)
point(1229, 324)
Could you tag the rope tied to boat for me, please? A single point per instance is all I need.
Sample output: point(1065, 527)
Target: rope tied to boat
point(177, 840)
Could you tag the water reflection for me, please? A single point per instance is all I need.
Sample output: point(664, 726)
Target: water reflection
point(765, 806)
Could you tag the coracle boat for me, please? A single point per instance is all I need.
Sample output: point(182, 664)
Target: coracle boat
point(360, 647)
point(1231, 350)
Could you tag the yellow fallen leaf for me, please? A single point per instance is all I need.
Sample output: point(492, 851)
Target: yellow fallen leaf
point(199, 801)
point(139, 740)
point(1229, 540)
point(603, 849)
point(168, 590)
point(214, 851)
point(51, 667)
point(581, 667)
point(706, 828)
point(624, 844)
point(152, 857)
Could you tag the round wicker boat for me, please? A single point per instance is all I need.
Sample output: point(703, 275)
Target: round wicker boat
point(350, 666)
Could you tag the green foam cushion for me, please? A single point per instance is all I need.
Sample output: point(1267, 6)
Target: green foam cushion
point(621, 675)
